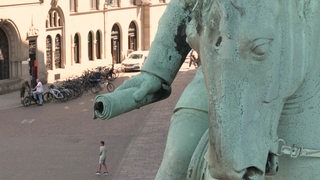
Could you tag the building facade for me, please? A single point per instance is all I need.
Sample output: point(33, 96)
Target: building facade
point(53, 40)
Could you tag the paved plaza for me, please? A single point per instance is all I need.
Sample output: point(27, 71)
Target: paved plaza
point(60, 140)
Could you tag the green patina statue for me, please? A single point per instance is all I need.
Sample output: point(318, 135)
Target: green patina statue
point(190, 119)
point(257, 90)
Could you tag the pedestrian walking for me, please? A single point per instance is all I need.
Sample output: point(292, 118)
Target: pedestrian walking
point(102, 159)
point(194, 59)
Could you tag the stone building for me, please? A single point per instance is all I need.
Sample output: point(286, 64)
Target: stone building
point(53, 40)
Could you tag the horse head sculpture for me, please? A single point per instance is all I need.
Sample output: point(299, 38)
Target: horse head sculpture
point(262, 70)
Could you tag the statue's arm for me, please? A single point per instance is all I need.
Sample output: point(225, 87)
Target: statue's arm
point(169, 48)
point(166, 55)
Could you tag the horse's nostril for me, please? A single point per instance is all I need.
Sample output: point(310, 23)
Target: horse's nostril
point(272, 165)
point(219, 41)
point(252, 173)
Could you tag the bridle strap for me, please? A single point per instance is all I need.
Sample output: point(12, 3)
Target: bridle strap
point(295, 151)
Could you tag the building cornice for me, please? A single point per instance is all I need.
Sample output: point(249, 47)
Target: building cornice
point(22, 4)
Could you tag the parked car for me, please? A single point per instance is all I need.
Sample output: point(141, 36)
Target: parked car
point(134, 61)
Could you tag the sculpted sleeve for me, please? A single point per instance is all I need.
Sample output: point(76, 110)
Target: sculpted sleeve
point(169, 48)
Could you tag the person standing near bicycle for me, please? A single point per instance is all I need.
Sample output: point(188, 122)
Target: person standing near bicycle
point(111, 75)
point(37, 93)
point(24, 87)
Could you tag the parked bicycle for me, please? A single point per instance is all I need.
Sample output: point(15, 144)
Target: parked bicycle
point(53, 94)
point(108, 85)
point(74, 87)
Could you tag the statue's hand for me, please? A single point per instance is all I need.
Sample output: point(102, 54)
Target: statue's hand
point(134, 93)
point(145, 84)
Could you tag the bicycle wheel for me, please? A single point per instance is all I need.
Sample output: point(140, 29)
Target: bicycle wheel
point(47, 97)
point(26, 101)
point(110, 87)
point(59, 96)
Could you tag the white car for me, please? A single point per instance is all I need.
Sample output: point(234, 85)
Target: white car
point(134, 61)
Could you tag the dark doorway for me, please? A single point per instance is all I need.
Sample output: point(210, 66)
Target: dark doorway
point(33, 63)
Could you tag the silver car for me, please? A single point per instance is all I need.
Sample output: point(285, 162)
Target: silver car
point(134, 61)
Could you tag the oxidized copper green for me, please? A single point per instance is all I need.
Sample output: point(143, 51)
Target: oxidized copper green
point(258, 96)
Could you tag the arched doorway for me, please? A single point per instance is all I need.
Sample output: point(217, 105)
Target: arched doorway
point(132, 37)
point(4, 56)
point(115, 44)
point(13, 51)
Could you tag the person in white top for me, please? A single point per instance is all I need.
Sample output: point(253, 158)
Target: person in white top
point(37, 93)
point(102, 159)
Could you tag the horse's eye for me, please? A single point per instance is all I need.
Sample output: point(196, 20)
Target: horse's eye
point(260, 47)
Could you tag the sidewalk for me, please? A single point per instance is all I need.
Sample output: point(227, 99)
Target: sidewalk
point(10, 100)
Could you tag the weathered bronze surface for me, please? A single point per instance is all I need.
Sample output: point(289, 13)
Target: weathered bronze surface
point(258, 90)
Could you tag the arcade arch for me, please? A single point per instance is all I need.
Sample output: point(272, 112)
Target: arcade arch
point(132, 37)
point(49, 53)
point(98, 44)
point(4, 55)
point(76, 48)
point(116, 44)
point(11, 50)
point(90, 46)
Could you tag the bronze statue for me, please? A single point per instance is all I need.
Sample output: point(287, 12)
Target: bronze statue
point(262, 79)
